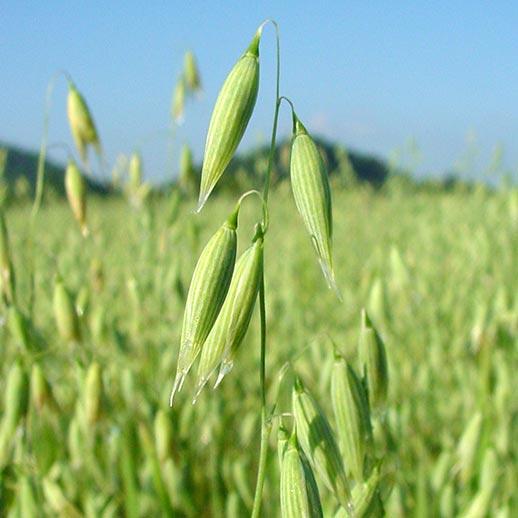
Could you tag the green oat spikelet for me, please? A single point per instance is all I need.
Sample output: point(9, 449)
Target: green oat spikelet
point(19, 326)
point(298, 497)
point(7, 277)
point(468, 448)
point(351, 410)
point(65, 313)
point(365, 493)
point(283, 436)
point(233, 320)
point(163, 431)
point(373, 359)
point(230, 117)
point(93, 393)
point(16, 398)
point(82, 125)
point(75, 187)
point(310, 186)
point(191, 72)
point(178, 102)
point(209, 285)
point(318, 443)
point(187, 174)
point(41, 393)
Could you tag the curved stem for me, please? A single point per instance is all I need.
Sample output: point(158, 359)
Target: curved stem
point(40, 175)
point(266, 219)
point(265, 424)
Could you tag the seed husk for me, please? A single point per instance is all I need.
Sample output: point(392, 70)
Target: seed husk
point(41, 393)
point(283, 436)
point(209, 285)
point(93, 393)
point(365, 493)
point(230, 117)
point(75, 187)
point(310, 185)
point(351, 410)
point(65, 314)
point(318, 443)
point(81, 123)
point(135, 171)
point(468, 448)
point(233, 320)
point(18, 326)
point(191, 72)
point(16, 398)
point(373, 359)
point(296, 488)
point(163, 436)
point(7, 277)
point(178, 103)
point(187, 175)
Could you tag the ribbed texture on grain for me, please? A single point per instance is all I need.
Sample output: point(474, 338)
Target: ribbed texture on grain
point(232, 112)
point(294, 495)
point(209, 286)
point(318, 443)
point(373, 359)
point(232, 323)
point(310, 185)
point(351, 410)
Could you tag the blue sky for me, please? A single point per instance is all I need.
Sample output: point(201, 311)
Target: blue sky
point(372, 75)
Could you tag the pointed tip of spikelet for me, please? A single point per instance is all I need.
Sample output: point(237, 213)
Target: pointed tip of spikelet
point(365, 320)
point(329, 275)
point(298, 385)
point(177, 386)
point(201, 202)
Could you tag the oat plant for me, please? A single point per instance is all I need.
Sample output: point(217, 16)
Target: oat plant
point(223, 291)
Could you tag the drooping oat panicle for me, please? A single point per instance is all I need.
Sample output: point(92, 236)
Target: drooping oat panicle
point(373, 359)
point(297, 492)
point(233, 320)
point(65, 313)
point(75, 187)
point(191, 72)
point(209, 285)
point(319, 445)
point(310, 185)
point(351, 410)
point(7, 277)
point(81, 123)
point(232, 112)
point(178, 102)
point(93, 393)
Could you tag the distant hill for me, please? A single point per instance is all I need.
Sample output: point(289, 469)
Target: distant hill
point(22, 165)
point(365, 167)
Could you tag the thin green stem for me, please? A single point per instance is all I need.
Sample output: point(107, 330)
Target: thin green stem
point(40, 175)
point(265, 423)
point(38, 196)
